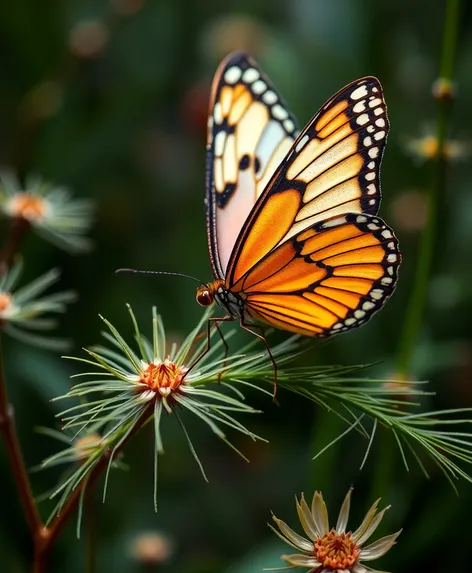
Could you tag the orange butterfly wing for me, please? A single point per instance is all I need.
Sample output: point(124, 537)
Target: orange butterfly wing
point(332, 169)
point(312, 257)
point(327, 279)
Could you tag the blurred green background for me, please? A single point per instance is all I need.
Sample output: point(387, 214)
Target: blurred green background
point(110, 99)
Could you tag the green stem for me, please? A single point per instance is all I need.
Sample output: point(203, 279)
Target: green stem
point(443, 92)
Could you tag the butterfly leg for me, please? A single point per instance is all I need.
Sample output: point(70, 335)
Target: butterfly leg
point(262, 337)
point(212, 321)
point(216, 322)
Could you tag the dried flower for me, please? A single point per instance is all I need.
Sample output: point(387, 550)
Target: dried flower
point(333, 550)
point(50, 210)
point(26, 310)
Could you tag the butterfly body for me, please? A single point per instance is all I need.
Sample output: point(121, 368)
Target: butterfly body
point(231, 303)
point(294, 237)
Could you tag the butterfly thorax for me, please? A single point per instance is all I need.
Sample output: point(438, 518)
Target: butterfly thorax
point(217, 292)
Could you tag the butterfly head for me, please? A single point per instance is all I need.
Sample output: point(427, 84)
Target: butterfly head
point(205, 295)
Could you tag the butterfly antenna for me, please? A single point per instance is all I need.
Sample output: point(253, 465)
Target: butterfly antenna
point(135, 271)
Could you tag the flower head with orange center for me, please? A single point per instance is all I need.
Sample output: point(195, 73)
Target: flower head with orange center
point(132, 384)
point(27, 206)
point(27, 309)
point(333, 550)
point(427, 147)
point(5, 302)
point(163, 376)
point(50, 211)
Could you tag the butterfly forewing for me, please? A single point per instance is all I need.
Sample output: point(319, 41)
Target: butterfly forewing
point(329, 278)
point(250, 131)
point(331, 169)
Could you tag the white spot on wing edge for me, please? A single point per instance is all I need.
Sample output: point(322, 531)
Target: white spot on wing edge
point(279, 112)
point(250, 75)
point(376, 294)
point(359, 92)
point(232, 74)
point(375, 102)
point(259, 87)
point(269, 97)
point(374, 152)
point(289, 125)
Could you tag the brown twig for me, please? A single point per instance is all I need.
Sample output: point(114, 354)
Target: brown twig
point(46, 537)
point(19, 229)
point(15, 456)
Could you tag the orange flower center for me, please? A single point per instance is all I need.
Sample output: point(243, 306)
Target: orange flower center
point(336, 550)
point(164, 377)
point(27, 206)
point(5, 300)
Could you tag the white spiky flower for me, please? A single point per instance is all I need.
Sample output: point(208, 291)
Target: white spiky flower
point(26, 311)
point(50, 210)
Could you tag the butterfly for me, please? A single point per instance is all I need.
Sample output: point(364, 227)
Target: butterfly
point(293, 233)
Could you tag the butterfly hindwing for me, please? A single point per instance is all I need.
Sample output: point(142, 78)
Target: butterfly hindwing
point(327, 279)
point(250, 131)
point(331, 169)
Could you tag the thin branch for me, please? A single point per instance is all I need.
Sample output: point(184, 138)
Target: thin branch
point(19, 229)
point(49, 535)
point(15, 456)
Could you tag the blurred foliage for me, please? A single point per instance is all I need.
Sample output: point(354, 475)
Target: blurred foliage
point(109, 98)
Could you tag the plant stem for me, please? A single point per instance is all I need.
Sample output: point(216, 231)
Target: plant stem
point(15, 456)
point(45, 541)
point(19, 229)
point(443, 91)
